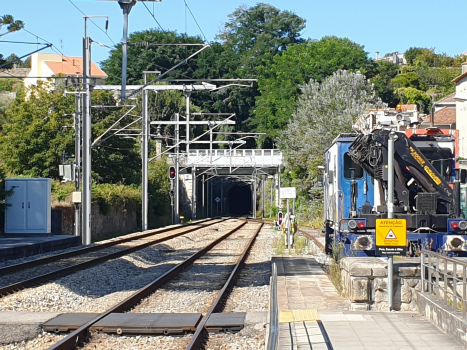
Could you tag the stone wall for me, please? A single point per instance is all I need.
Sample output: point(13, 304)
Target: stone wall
point(118, 220)
point(365, 283)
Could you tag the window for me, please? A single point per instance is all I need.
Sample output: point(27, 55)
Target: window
point(440, 158)
point(350, 164)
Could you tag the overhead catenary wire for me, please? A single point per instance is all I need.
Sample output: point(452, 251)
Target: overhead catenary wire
point(152, 15)
point(102, 30)
point(186, 5)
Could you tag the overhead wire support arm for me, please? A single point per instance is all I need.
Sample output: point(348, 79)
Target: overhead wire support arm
point(19, 58)
point(192, 141)
point(111, 127)
point(168, 71)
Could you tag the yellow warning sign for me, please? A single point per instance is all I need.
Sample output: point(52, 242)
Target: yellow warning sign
point(391, 232)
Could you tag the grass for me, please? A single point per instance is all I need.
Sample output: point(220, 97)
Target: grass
point(335, 269)
point(300, 244)
point(279, 244)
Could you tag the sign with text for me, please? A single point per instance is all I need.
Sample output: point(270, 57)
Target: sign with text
point(391, 236)
point(288, 193)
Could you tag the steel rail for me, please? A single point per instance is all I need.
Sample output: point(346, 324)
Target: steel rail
point(89, 249)
point(80, 335)
point(315, 241)
point(80, 266)
point(218, 304)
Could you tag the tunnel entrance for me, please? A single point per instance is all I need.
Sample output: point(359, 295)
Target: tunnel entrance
point(239, 198)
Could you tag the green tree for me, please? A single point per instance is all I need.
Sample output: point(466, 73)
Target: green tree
point(144, 55)
point(412, 95)
point(410, 79)
point(36, 137)
point(254, 33)
point(279, 82)
point(380, 75)
point(323, 111)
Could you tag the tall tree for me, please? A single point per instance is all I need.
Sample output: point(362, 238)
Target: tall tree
point(146, 52)
point(254, 33)
point(36, 137)
point(323, 111)
point(11, 24)
point(380, 75)
point(280, 80)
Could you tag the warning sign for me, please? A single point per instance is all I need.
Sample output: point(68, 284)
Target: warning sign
point(391, 232)
point(391, 235)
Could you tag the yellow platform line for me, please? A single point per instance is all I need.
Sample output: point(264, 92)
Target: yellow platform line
point(298, 315)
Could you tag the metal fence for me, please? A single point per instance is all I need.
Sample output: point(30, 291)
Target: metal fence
point(273, 312)
point(445, 278)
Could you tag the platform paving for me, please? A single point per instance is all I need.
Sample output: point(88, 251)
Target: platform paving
point(20, 247)
point(312, 316)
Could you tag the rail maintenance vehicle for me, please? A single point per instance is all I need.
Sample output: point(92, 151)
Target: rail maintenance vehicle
point(426, 185)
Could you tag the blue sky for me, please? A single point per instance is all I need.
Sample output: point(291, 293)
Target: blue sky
point(384, 26)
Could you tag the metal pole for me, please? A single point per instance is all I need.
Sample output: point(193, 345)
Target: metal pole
point(279, 204)
point(187, 95)
point(390, 205)
point(203, 193)
point(78, 118)
point(287, 228)
point(144, 161)
point(222, 196)
point(262, 196)
point(272, 189)
point(86, 142)
point(254, 197)
point(193, 193)
point(207, 200)
point(177, 169)
point(211, 199)
point(126, 8)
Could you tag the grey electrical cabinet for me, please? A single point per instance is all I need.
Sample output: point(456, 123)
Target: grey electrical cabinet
point(29, 210)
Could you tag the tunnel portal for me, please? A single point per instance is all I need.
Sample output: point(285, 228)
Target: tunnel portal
point(239, 199)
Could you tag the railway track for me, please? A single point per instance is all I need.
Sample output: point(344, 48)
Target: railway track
point(144, 295)
point(19, 276)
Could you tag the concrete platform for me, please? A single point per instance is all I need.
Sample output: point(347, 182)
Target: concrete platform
point(20, 325)
point(20, 247)
point(313, 316)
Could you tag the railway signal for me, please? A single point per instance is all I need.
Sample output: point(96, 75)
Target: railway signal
point(171, 172)
point(279, 218)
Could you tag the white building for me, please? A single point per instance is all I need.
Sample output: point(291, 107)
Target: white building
point(46, 65)
point(461, 110)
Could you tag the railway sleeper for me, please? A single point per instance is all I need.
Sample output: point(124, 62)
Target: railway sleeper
point(148, 323)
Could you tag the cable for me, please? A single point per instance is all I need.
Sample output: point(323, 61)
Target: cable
point(195, 21)
point(21, 42)
point(152, 15)
point(102, 30)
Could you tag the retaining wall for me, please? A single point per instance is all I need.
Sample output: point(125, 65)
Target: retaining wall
point(365, 282)
point(118, 220)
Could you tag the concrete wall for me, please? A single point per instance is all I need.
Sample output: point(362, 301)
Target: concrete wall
point(365, 283)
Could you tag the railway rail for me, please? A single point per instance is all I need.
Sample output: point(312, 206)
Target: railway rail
point(63, 264)
point(81, 334)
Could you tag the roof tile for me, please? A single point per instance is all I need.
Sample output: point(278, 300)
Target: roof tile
point(73, 66)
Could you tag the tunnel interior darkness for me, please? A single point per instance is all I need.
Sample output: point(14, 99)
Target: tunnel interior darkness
point(238, 200)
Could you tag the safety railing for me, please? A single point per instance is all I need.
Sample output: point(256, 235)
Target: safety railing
point(235, 157)
point(445, 278)
point(273, 312)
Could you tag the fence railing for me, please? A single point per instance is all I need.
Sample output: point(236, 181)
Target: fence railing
point(445, 278)
point(273, 312)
